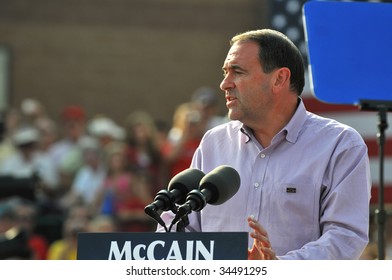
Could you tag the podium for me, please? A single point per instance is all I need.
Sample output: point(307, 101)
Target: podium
point(163, 246)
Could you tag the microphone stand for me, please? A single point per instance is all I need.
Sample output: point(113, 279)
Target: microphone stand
point(182, 224)
point(382, 107)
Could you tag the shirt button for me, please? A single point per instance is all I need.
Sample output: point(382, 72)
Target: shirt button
point(256, 184)
point(262, 155)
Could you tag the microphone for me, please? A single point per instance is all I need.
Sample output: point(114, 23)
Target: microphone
point(215, 188)
point(179, 186)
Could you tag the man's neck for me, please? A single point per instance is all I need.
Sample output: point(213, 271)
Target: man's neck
point(265, 131)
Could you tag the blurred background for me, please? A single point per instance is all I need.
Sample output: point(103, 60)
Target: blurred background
point(116, 56)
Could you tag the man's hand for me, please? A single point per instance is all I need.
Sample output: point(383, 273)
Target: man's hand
point(261, 249)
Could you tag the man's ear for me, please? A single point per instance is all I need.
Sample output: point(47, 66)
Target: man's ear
point(282, 78)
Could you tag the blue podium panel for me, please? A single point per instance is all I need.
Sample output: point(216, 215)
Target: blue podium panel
point(163, 246)
point(350, 50)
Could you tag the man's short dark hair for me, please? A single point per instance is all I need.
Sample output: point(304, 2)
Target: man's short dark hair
point(276, 51)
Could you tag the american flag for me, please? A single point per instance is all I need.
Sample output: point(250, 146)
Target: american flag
point(286, 16)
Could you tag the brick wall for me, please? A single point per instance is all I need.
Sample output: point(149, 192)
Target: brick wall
point(115, 56)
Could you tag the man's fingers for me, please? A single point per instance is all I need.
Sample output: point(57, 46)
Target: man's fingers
point(261, 240)
point(256, 226)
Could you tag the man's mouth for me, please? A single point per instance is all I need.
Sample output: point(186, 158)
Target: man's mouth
point(230, 99)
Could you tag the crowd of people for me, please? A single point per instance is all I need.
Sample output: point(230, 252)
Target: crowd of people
point(89, 173)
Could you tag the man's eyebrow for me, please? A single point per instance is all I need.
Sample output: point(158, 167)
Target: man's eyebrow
point(233, 67)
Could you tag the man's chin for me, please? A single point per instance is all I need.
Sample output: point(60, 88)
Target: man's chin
point(233, 116)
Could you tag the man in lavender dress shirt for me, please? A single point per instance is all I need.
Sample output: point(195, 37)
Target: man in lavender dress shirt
point(305, 179)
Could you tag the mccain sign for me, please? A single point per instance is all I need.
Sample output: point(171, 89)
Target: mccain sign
point(163, 246)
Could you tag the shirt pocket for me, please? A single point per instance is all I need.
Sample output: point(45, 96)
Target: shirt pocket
point(295, 216)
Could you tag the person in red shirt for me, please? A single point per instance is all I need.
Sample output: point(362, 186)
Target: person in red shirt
point(184, 137)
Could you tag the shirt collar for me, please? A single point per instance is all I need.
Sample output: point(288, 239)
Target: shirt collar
point(293, 127)
point(247, 132)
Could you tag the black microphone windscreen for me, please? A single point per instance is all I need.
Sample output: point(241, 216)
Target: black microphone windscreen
point(186, 181)
point(223, 183)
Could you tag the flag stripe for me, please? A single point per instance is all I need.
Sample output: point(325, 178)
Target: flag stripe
point(373, 148)
point(387, 194)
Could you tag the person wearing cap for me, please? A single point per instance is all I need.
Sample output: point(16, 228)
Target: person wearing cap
point(206, 98)
point(105, 130)
point(28, 162)
point(90, 176)
point(66, 153)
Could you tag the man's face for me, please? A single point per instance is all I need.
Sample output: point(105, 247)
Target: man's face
point(247, 88)
point(74, 128)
